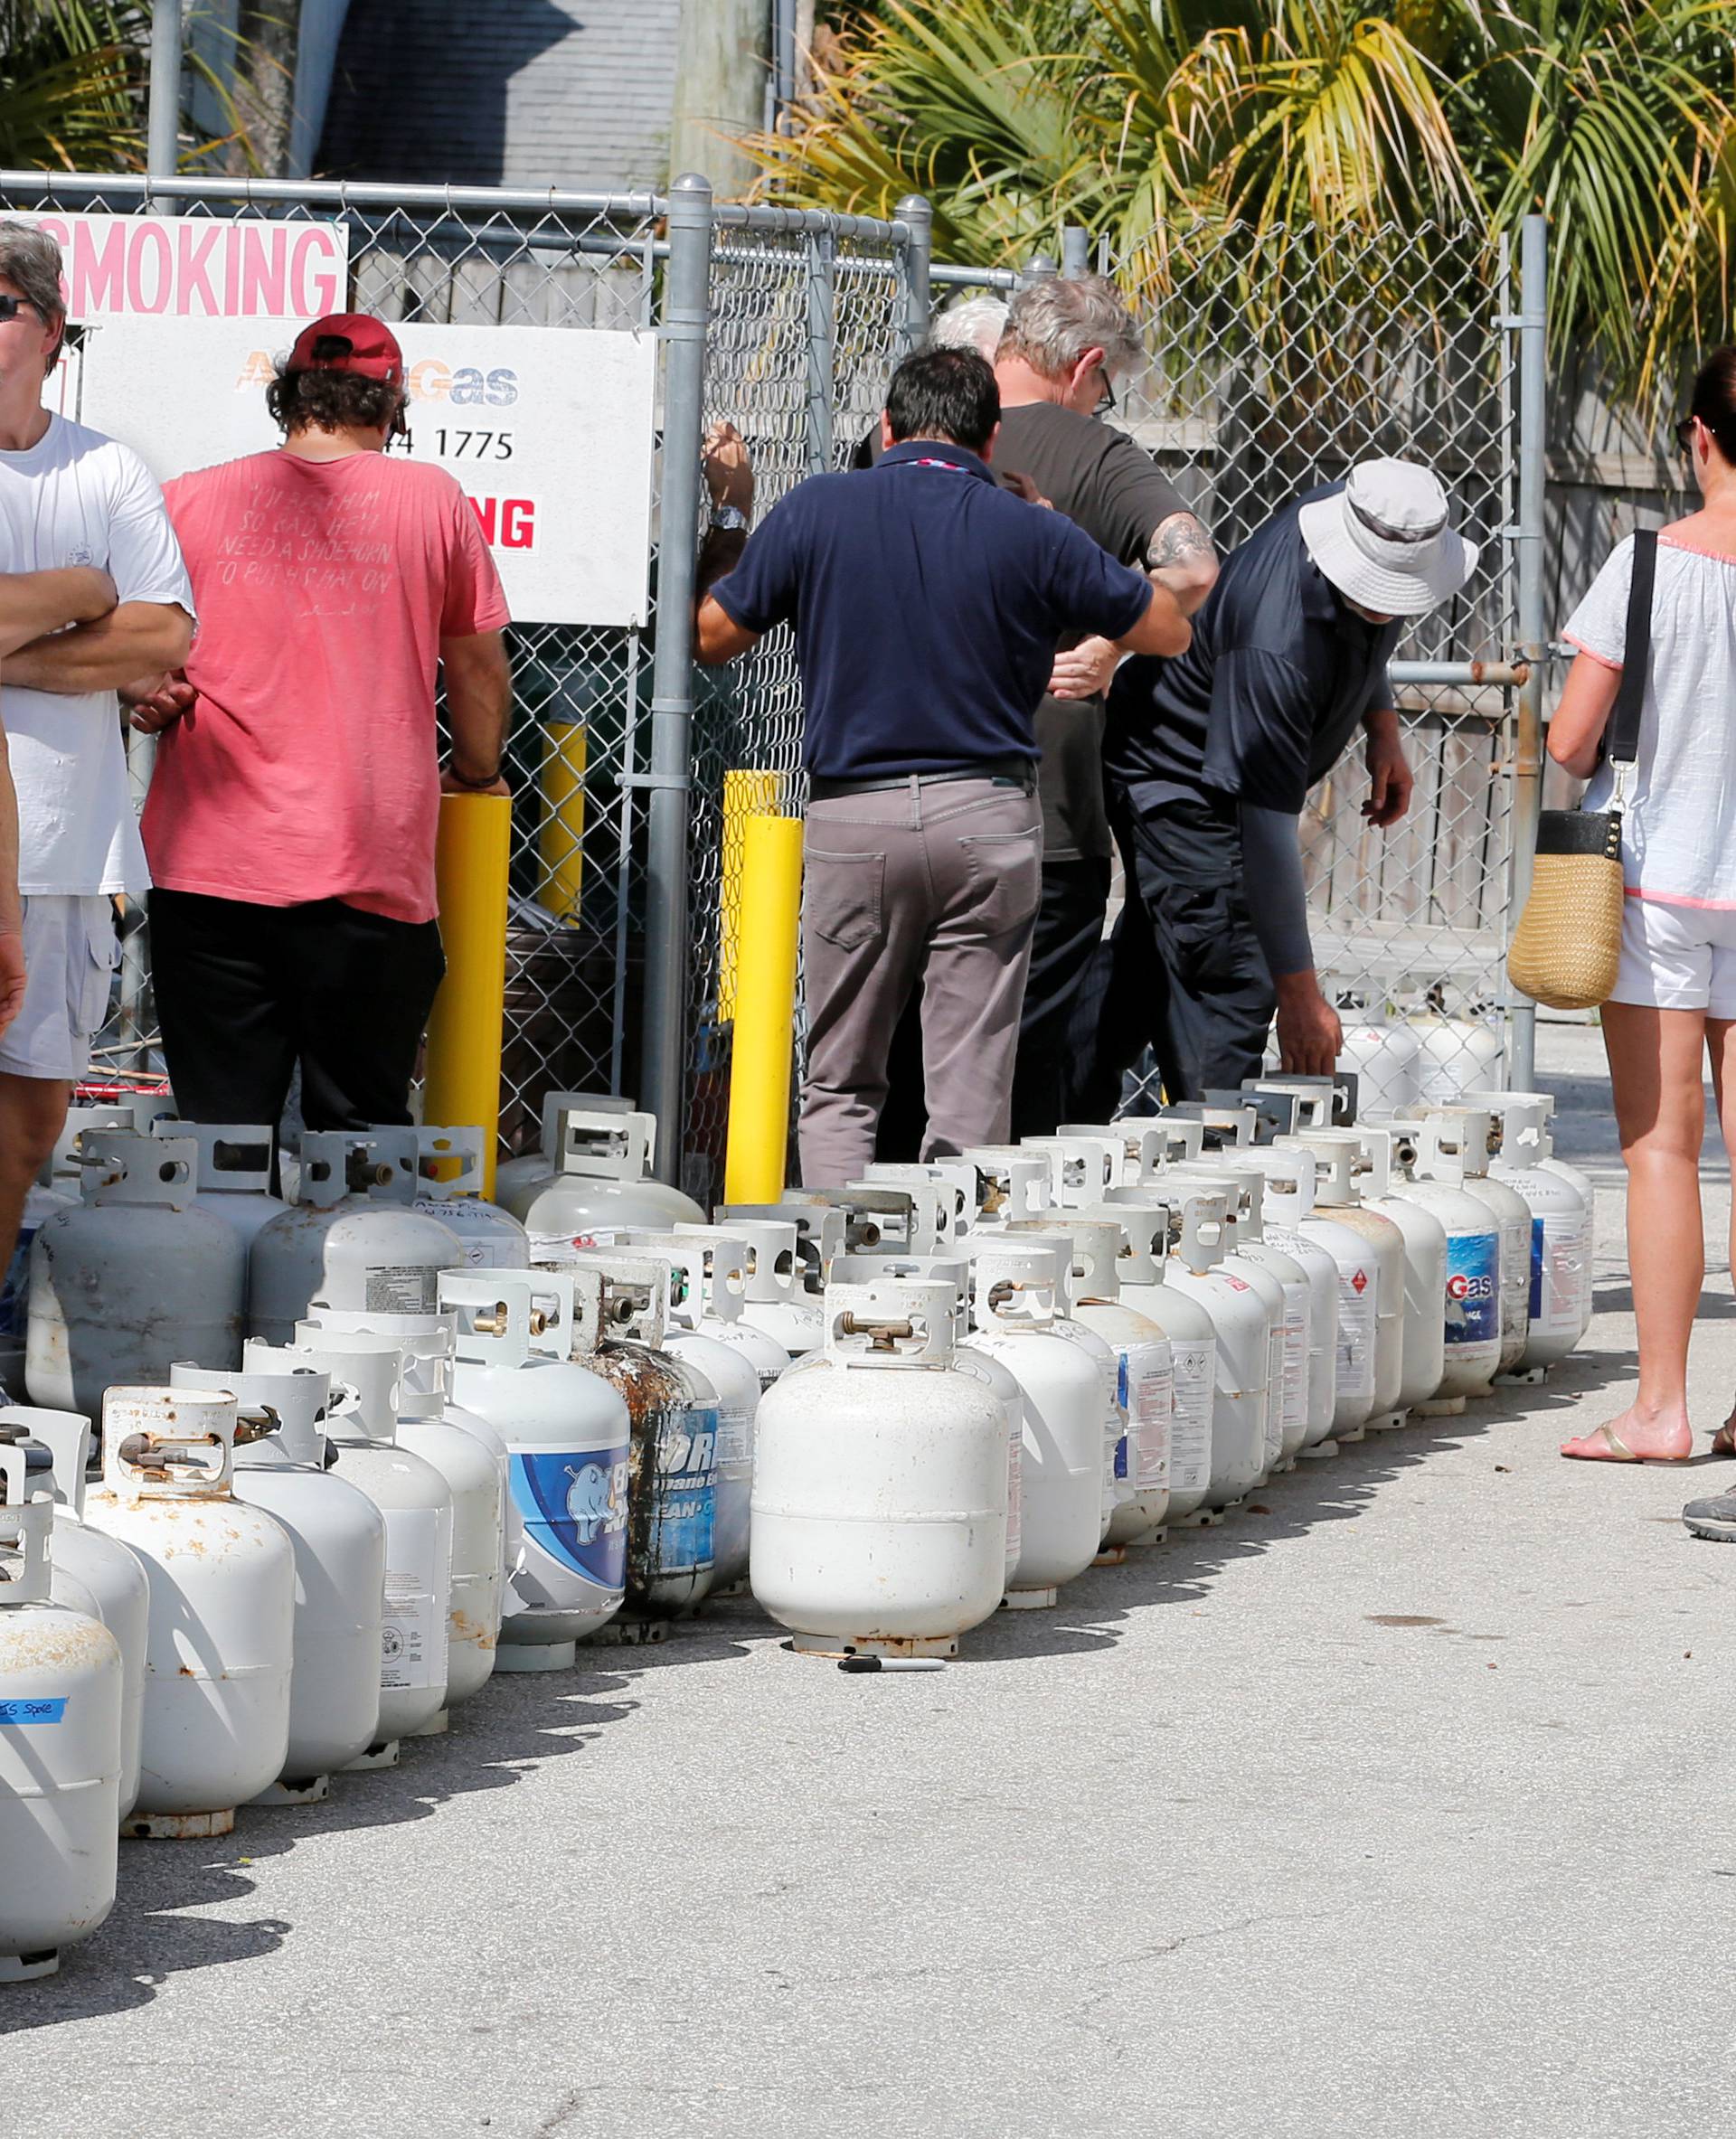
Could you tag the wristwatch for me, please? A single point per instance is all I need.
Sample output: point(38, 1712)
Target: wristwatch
point(731, 518)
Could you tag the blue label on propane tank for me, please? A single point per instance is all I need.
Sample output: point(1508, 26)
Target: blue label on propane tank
point(1473, 1290)
point(32, 1711)
point(573, 1503)
point(685, 1522)
point(1536, 1269)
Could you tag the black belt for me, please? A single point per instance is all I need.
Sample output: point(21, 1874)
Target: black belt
point(1013, 772)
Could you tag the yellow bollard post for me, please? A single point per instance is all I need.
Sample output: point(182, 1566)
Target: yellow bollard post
point(560, 834)
point(746, 794)
point(462, 1082)
point(765, 1010)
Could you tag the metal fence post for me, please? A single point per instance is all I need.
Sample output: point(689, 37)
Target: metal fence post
point(162, 120)
point(821, 335)
point(1533, 622)
point(1075, 251)
point(686, 311)
point(919, 254)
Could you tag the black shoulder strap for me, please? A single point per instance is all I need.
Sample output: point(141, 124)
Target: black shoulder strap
point(1624, 723)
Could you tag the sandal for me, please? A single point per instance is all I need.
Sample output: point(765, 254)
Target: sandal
point(1723, 1442)
point(1604, 1445)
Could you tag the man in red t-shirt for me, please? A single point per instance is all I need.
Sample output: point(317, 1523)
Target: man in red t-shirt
point(292, 814)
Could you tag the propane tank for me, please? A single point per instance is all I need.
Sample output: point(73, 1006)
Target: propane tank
point(339, 1538)
point(1145, 1379)
point(519, 1182)
point(133, 1278)
point(1011, 1183)
point(603, 1181)
point(1142, 1262)
point(1014, 1303)
point(722, 1263)
point(1242, 1176)
point(106, 1572)
point(776, 1301)
point(1287, 1197)
point(568, 1436)
point(222, 1583)
point(470, 1464)
point(1556, 1262)
point(414, 1499)
point(1454, 1053)
point(1471, 1312)
point(1562, 1255)
point(1140, 1146)
point(233, 1173)
point(1082, 1168)
point(1510, 1209)
point(915, 1218)
point(450, 1163)
point(352, 1239)
point(880, 1489)
point(1385, 1055)
point(1425, 1259)
point(1372, 1287)
point(1247, 1311)
point(957, 1176)
point(59, 1747)
point(41, 1202)
point(620, 1309)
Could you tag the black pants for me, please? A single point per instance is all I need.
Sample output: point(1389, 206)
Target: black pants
point(244, 993)
point(1183, 973)
point(1047, 1089)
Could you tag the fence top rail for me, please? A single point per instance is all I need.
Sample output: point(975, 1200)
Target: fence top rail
point(954, 275)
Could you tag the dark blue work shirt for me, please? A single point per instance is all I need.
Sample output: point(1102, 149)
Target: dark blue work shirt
point(1270, 690)
point(927, 604)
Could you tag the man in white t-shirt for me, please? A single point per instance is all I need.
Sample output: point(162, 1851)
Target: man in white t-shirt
point(69, 497)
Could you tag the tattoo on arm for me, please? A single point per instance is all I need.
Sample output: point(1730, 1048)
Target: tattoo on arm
point(1180, 540)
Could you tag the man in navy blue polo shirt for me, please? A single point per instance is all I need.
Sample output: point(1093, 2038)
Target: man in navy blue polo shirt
point(927, 604)
point(1209, 760)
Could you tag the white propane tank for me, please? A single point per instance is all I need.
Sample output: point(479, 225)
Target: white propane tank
point(568, 1439)
point(60, 1747)
point(603, 1181)
point(1372, 1292)
point(1142, 1263)
point(222, 1581)
point(1511, 1211)
point(1288, 1198)
point(696, 1333)
point(338, 1537)
point(133, 1278)
point(1011, 1183)
point(957, 1176)
point(620, 1310)
point(776, 1301)
point(471, 1465)
point(1244, 1321)
point(1561, 1251)
point(880, 1489)
point(1145, 1379)
point(1061, 1460)
point(107, 1571)
point(1117, 1469)
point(362, 1425)
point(1556, 1269)
point(1385, 1054)
point(450, 1163)
point(1384, 1189)
point(725, 1260)
point(1141, 1146)
point(1471, 1312)
point(233, 1174)
point(915, 1217)
point(519, 1182)
point(1082, 1168)
point(352, 1239)
point(1456, 1053)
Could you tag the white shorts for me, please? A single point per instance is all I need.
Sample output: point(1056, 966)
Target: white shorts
point(70, 954)
point(1677, 957)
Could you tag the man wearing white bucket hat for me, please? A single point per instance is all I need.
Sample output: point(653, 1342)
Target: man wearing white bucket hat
point(1209, 757)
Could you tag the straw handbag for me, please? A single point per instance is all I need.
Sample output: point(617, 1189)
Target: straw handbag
point(1568, 944)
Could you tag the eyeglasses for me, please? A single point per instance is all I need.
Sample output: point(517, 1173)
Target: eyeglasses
point(1106, 399)
point(1684, 433)
point(10, 307)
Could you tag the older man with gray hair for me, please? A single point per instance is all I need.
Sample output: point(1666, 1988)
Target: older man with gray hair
point(1066, 341)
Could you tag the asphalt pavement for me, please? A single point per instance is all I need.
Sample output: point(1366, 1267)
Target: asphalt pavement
point(1397, 1805)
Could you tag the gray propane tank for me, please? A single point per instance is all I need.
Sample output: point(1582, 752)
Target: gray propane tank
point(233, 1174)
point(451, 1162)
point(519, 1182)
point(132, 1278)
point(338, 1537)
point(59, 1747)
point(352, 1239)
point(107, 1572)
point(603, 1181)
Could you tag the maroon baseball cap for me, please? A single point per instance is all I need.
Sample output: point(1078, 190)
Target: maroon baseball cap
point(349, 342)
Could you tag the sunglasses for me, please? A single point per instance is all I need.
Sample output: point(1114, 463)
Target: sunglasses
point(10, 307)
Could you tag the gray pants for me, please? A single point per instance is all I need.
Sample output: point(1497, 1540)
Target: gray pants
point(936, 884)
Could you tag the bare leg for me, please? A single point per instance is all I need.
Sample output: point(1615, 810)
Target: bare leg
point(1720, 1045)
point(1655, 1059)
point(32, 1111)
